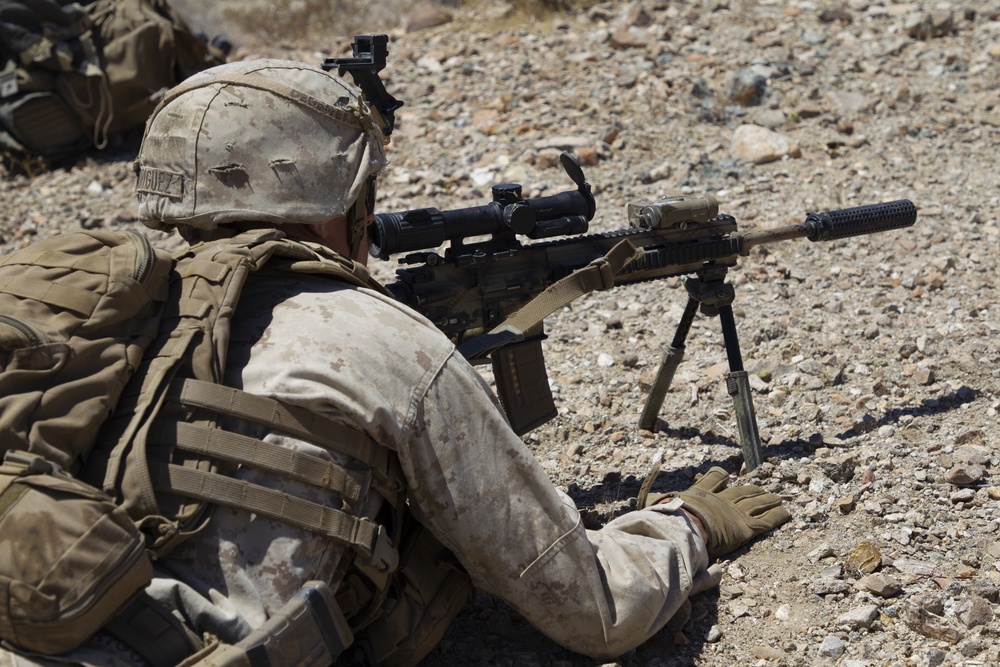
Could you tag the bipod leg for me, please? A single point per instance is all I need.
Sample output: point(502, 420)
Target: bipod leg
point(671, 359)
point(738, 386)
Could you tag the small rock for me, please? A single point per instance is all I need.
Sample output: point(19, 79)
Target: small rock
point(929, 602)
point(864, 558)
point(848, 102)
point(714, 634)
point(626, 39)
point(770, 118)
point(548, 158)
point(748, 88)
point(658, 173)
point(638, 16)
point(427, 15)
point(846, 504)
point(985, 589)
point(929, 657)
point(880, 584)
point(840, 469)
point(974, 611)
point(610, 133)
point(827, 586)
point(929, 25)
point(760, 145)
point(832, 647)
point(974, 454)
point(564, 143)
point(588, 157)
point(835, 571)
point(931, 625)
point(822, 551)
point(767, 653)
point(966, 474)
point(860, 617)
point(963, 496)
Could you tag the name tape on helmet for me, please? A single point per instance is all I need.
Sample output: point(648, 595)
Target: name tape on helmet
point(160, 182)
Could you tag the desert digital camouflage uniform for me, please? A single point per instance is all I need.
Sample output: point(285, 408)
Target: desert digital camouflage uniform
point(333, 348)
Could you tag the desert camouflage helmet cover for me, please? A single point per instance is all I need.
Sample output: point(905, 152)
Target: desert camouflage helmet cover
point(263, 140)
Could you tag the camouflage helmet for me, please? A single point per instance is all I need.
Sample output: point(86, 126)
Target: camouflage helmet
point(273, 141)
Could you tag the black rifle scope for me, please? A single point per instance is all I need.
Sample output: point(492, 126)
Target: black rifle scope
point(507, 216)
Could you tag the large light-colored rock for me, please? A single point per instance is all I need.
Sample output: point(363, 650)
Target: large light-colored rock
point(760, 145)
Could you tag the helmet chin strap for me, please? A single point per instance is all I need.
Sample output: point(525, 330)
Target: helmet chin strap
point(358, 214)
point(355, 230)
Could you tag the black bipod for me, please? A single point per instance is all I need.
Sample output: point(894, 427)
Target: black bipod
point(710, 291)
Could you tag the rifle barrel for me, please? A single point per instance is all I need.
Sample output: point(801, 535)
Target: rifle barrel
point(763, 237)
point(841, 223)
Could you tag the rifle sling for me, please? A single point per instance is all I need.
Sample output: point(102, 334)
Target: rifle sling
point(597, 275)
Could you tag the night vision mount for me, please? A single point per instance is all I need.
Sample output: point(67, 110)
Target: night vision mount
point(370, 52)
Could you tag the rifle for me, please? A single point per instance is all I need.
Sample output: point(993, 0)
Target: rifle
point(490, 296)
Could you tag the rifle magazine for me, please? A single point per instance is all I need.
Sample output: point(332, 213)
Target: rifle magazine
point(523, 384)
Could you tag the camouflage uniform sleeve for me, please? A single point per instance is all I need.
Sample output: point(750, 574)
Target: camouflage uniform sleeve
point(485, 496)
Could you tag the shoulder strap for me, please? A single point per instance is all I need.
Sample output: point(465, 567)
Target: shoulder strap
point(182, 377)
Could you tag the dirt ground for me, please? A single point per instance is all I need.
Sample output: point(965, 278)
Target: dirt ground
point(874, 360)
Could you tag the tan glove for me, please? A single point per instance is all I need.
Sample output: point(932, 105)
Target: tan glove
point(731, 517)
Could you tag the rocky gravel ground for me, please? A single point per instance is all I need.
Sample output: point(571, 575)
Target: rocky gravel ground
point(874, 360)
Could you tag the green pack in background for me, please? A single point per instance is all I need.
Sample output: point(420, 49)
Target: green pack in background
point(75, 75)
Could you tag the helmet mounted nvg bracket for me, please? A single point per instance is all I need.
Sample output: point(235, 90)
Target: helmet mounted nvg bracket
point(370, 53)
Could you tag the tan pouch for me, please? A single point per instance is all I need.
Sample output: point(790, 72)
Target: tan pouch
point(424, 595)
point(69, 557)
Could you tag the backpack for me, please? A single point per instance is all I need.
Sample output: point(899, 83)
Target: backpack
point(72, 77)
point(76, 314)
point(111, 354)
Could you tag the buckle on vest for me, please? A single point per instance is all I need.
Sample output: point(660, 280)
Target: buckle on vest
point(8, 79)
point(33, 464)
point(384, 556)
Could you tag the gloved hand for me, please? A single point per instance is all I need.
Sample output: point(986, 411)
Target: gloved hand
point(731, 516)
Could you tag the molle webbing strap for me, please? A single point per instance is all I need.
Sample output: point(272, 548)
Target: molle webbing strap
point(51, 293)
point(214, 272)
point(337, 114)
point(296, 422)
point(91, 263)
point(261, 455)
point(360, 533)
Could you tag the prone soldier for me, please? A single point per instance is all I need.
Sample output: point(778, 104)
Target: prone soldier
point(342, 478)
